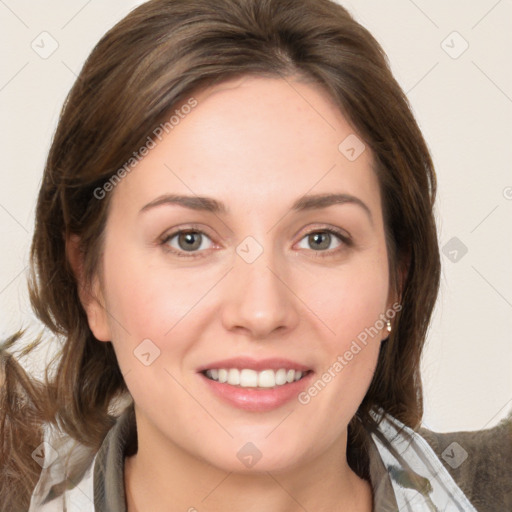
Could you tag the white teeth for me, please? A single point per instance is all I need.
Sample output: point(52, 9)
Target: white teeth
point(281, 377)
point(267, 379)
point(247, 378)
point(234, 377)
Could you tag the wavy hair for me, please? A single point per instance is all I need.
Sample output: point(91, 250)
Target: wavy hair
point(138, 72)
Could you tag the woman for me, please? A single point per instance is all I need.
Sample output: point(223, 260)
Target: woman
point(235, 241)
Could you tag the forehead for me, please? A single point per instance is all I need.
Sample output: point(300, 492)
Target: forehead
point(280, 112)
point(257, 137)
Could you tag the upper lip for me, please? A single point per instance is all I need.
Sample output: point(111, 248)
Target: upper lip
point(255, 364)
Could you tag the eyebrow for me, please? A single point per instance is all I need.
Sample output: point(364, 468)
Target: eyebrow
point(208, 204)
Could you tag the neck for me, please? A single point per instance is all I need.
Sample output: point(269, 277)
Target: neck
point(171, 480)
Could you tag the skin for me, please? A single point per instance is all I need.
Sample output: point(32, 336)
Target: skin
point(257, 145)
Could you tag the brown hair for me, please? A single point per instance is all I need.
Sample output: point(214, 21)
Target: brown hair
point(143, 67)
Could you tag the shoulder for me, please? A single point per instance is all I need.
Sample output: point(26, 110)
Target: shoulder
point(65, 482)
point(479, 461)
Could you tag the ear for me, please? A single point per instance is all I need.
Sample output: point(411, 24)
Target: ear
point(90, 294)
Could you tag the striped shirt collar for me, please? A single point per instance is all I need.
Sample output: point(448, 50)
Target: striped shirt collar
point(405, 472)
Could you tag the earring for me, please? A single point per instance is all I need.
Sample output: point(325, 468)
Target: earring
point(388, 326)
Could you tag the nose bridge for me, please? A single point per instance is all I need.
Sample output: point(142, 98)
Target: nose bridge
point(258, 298)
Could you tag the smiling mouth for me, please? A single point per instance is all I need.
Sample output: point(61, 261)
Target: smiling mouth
point(248, 378)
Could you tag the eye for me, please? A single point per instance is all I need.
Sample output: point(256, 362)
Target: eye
point(321, 240)
point(186, 241)
point(192, 242)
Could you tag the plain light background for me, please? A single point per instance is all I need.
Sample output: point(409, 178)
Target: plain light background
point(453, 61)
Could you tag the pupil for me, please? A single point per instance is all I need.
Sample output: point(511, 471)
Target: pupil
point(189, 237)
point(318, 242)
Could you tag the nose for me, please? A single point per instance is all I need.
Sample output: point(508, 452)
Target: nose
point(259, 301)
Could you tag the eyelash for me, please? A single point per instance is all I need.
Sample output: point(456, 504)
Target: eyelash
point(344, 239)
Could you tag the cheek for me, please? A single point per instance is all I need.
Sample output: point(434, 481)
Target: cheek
point(151, 301)
point(146, 299)
point(351, 308)
point(351, 301)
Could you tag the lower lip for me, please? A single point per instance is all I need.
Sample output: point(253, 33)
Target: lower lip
point(257, 400)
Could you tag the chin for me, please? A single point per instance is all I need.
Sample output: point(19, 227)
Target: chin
point(255, 454)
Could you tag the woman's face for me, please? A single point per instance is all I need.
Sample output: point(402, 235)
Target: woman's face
point(261, 287)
